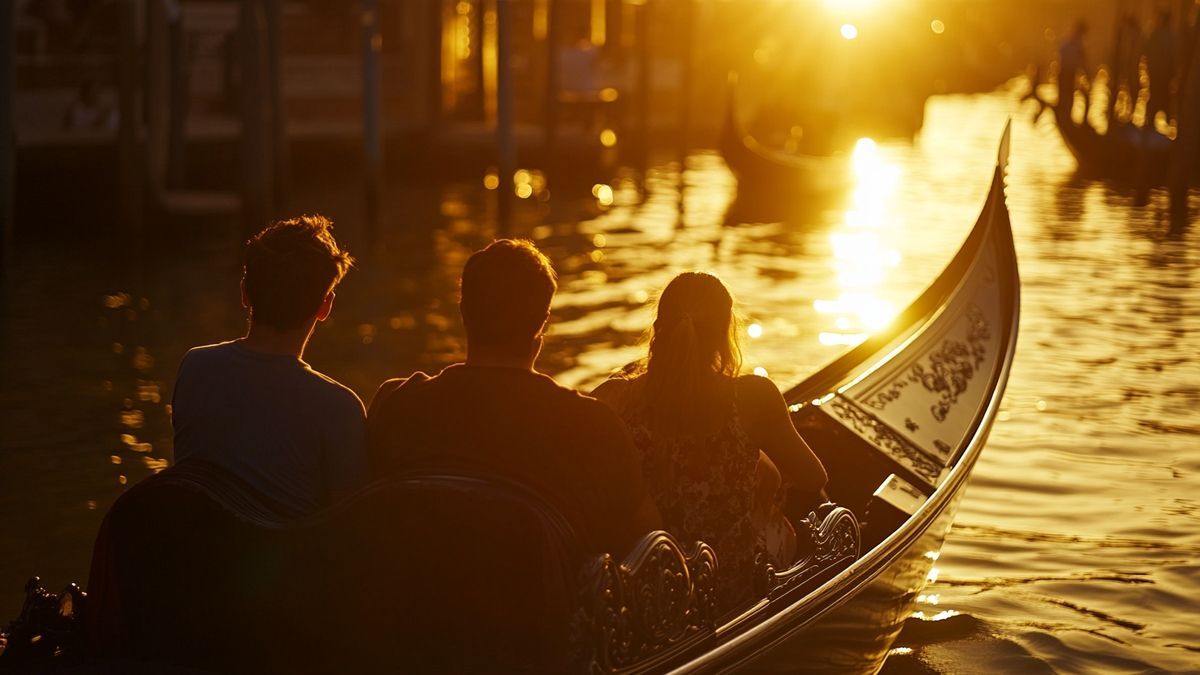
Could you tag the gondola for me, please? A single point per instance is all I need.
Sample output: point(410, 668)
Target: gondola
point(1127, 153)
point(765, 171)
point(899, 422)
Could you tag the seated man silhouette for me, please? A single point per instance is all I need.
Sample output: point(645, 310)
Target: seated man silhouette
point(497, 414)
point(294, 437)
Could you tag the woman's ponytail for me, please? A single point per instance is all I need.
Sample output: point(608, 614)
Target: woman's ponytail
point(693, 346)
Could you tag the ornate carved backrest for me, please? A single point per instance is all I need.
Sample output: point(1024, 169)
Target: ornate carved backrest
point(658, 601)
point(828, 540)
point(48, 627)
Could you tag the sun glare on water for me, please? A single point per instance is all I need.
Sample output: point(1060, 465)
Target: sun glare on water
point(862, 253)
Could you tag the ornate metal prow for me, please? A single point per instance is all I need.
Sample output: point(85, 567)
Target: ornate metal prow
point(48, 627)
point(828, 541)
point(658, 600)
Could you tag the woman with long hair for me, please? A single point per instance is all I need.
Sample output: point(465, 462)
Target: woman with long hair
point(718, 447)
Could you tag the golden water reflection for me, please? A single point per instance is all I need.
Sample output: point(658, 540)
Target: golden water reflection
point(862, 255)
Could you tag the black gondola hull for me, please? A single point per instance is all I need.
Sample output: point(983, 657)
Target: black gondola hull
point(1126, 154)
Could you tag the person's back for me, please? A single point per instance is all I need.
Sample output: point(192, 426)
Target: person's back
point(1160, 50)
point(711, 439)
point(252, 405)
point(1127, 54)
point(292, 433)
point(497, 413)
point(519, 424)
point(1160, 66)
point(1072, 63)
point(704, 483)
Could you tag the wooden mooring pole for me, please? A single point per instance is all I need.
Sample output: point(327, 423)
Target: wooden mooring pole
point(505, 141)
point(643, 85)
point(8, 139)
point(685, 103)
point(687, 52)
point(179, 86)
point(281, 158)
point(130, 160)
point(1187, 139)
point(256, 154)
point(433, 69)
point(550, 121)
point(372, 45)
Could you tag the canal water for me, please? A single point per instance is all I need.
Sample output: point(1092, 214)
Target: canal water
point(1077, 547)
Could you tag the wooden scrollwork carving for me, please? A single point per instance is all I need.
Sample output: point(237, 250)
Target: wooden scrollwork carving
point(830, 538)
point(660, 597)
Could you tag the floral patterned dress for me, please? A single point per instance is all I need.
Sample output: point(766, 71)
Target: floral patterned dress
point(704, 488)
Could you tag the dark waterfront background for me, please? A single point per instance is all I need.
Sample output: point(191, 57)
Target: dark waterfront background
point(1076, 547)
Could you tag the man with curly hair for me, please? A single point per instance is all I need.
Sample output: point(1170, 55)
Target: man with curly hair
point(252, 406)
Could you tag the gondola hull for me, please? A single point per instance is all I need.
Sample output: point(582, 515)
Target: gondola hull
point(1126, 154)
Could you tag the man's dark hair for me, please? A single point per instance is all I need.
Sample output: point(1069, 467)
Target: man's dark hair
point(290, 267)
point(506, 293)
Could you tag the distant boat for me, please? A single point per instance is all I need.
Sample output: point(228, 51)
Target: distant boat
point(774, 173)
point(437, 572)
point(1127, 153)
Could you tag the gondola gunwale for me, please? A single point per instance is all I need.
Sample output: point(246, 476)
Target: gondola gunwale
point(752, 632)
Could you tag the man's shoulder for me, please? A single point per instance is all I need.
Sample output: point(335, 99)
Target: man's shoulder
point(210, 353)
point(576, 408)
point(402, 385)
point(397, 389)
point(549, 390)
point(207, 359)
point(337, 393)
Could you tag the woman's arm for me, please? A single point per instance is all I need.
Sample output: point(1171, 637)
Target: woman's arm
point(766, 491)
point(770, 426)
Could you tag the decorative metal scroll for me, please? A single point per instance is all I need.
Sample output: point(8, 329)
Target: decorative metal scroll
point(660, 597)
point(48, 628)
point(830, 538)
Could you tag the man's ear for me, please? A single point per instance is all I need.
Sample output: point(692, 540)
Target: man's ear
point(539, 340)
point(536, 346)
point(326, 306)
